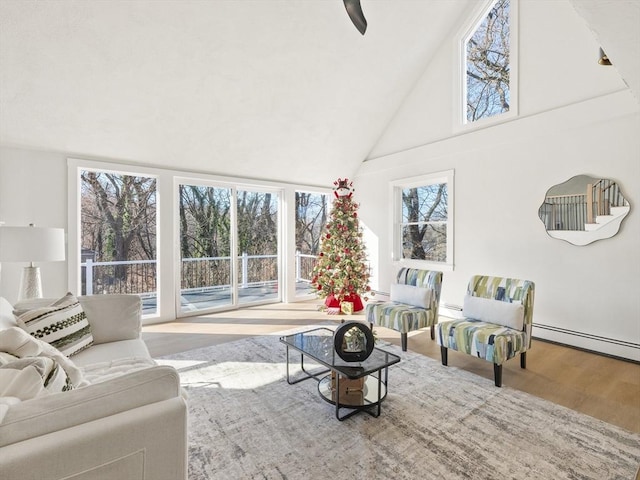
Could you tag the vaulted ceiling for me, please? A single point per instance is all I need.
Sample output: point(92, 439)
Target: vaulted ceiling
point(275, 89)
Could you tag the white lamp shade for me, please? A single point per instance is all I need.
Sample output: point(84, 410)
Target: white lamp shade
point(31, 244)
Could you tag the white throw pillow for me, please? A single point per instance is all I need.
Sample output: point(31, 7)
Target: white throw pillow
point(411, 295)
point(63, 324)
point(494, 311)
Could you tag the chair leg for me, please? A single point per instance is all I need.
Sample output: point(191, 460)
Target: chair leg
point(403, 339)
point(443, 354)
point(433, 332)
point(523, 360)
point(497, 373)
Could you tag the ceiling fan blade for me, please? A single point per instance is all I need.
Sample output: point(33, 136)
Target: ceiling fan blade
point(355, 14)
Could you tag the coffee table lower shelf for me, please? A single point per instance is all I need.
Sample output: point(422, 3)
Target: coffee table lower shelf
point(368, 399)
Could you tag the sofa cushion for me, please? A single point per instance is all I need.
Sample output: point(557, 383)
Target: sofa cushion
point(401, 317)
point(490, 341)
point(411, 295)
point(113, 317)
point(63, 324)
point(106, 352)
point(494, 311)
point(104, 371)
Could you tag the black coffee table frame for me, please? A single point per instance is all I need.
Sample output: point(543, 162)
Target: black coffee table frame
point(317, 344)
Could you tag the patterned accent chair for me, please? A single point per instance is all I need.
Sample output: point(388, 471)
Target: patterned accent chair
point(413, 304)
point(497, 325)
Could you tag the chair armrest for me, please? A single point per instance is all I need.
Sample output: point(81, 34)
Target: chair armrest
point(113, 317)
point(58, 411)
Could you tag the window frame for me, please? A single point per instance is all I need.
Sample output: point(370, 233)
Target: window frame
point(167, 220)
point(460, 122)
point(397, 187)
point(329, 204)
point(122, 173)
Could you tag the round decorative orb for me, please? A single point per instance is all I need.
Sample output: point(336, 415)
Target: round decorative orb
point(353, 341)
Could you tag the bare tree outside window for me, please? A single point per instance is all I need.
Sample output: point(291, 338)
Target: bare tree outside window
point(311, 217)
point(228, 240)
point(118, 225)
point(258, 238)
point(487, 64)
point(205, 233)
point(257, 223)
point(424, 222)
point(207, 239)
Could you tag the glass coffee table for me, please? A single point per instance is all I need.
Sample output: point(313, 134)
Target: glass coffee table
point(355, 386)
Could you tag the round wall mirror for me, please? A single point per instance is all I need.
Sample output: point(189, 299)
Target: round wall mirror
point(584, 209)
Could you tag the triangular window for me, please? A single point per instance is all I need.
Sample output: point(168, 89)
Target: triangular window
point(487, 64)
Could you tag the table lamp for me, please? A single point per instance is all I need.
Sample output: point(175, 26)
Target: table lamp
point(31, 244)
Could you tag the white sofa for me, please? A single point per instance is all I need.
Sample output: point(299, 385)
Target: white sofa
point(129, 422)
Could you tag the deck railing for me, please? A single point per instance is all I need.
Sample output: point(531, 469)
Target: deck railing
point(139, 276)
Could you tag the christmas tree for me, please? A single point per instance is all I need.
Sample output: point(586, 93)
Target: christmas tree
point(340, 274)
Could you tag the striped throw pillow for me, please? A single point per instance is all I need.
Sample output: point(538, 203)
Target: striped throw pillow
point(63, 324)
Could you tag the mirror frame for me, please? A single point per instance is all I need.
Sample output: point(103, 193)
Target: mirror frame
point(592, 207)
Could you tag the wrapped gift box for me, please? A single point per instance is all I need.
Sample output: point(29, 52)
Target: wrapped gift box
point(346, 307)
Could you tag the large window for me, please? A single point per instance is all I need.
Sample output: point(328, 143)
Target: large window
point(213, 234)
point(311, 218)
point(205, 247)
point(488, 83)
point(118, 235)
point(187, 244)
point(423, 226)
point(257, 245)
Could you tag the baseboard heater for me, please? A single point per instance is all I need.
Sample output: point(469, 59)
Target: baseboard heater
point(452, 306)
point(597, 338)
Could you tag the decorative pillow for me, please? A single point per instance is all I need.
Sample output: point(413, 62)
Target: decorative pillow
point(411, 295)
point(494, 311)
point(63, 324)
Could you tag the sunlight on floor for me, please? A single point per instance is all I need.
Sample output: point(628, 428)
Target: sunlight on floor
point(229, 375)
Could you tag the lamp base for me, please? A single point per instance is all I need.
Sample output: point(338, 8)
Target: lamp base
point(30, 284)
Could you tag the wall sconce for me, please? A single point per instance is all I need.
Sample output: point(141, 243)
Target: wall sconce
point(31, 244)
point(603, 59)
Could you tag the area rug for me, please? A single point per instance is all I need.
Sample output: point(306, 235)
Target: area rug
point(246, 422)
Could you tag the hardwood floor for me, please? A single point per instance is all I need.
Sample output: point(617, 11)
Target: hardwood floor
point(599, 386)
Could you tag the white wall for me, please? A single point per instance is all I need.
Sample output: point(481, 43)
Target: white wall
point(33, 189)
point(582, 120)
